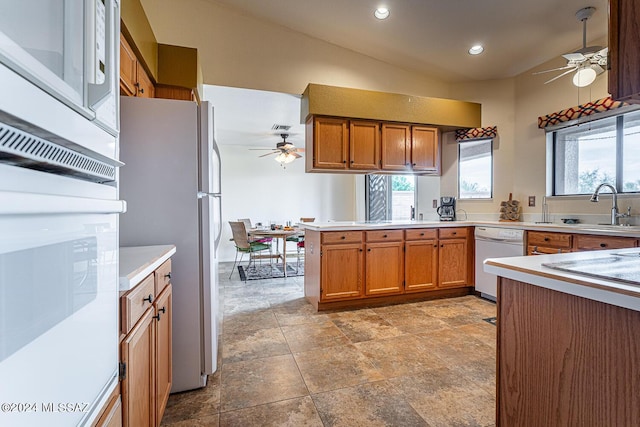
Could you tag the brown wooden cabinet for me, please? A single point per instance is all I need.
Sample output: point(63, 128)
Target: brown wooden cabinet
point(378, 266)
point(421, 259)
point(454, 257)
point(330, 142)
point(586, 242)
point(395, 146)
point(384, 262)
point(425, 149)
point(343, 144)
point(134, 80)
point(137, 353)
point(542, 242)
point(624, 44)
point(162, 317)
point(145, 349)
point(364, 145)
point(341, 275)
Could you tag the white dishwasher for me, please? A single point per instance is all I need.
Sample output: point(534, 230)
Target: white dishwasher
point(495, 242)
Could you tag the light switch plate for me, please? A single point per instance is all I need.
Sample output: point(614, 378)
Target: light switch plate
point(532, 201)
point(435, 203)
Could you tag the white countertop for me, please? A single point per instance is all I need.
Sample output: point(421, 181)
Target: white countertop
point(608, 230)
point(529, 269)
point(137, 262)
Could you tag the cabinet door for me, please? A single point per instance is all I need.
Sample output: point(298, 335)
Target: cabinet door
point(341, 271)
point(364, 145)
point(163, 315)
point(453, 265)
point(384, 264)
point(424, 149)
point(330, 140)
point(395, 142)
point(127, 68)
point(143, 83)
point(420, 265)
point(138, 354)
point(624, 43)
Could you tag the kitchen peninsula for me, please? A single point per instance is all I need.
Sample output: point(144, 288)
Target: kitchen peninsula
point(368, 263)
point(568, 350)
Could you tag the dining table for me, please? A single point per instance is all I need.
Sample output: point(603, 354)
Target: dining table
point(278, 234)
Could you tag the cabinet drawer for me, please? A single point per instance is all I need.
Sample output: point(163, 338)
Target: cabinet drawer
point(555, 240)
point(421, 233)
point(162, 276)
point(342, 237)
point(544, 250)
point(589, 243)
point(452, 233)
point(136, 302)
point(384, 236)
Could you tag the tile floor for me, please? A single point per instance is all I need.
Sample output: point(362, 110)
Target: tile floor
point(429, 363)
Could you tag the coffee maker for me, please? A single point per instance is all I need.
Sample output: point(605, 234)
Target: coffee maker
point(447, 208)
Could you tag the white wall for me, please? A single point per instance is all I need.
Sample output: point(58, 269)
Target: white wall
point(260, 189)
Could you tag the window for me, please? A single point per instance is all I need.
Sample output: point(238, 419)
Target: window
point(604, 150)
point(390, 197)
point(475, 169)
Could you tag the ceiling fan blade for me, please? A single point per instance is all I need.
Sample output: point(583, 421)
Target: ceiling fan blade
point(300, 150)
point(561, 75)
point(574, 57)
point(597, 68)
point(296, 155)
point(268, 154)
point(555, 69)
point(261, 149)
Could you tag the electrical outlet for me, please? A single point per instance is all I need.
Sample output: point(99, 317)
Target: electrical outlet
point(532, 201)
point(435, 203)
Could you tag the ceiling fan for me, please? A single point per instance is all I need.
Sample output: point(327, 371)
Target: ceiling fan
point(286, 151)
point(588, 62)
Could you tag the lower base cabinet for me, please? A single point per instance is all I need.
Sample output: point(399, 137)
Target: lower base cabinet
point(384, 264)
point(345, 268)
point(145, 350)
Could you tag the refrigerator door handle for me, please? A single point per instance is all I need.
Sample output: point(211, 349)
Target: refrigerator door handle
point(202, 194)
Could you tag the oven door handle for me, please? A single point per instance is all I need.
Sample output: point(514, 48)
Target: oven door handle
point(15, 203)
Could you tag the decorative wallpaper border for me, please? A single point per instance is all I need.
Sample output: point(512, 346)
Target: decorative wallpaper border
point(476, 133)
point(594, 107)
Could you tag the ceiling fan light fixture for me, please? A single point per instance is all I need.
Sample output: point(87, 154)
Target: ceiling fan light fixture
point(280, 158)
point(289, 158)
point(476, 49)
point(381, 13)
point(584, 76)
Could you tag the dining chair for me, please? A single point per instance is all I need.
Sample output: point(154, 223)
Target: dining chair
point(244, 246)
point(248, 226)
point(299, 239)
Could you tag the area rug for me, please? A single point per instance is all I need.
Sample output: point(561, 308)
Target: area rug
point(491, 320)
point(266, 271)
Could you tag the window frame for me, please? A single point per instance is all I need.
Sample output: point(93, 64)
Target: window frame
point(552, 158)
point(491, 168)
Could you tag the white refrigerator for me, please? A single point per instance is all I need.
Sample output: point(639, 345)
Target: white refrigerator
point(171, 183)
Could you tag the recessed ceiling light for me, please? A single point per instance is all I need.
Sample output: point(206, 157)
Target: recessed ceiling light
point(476, 50)
point(381, 13)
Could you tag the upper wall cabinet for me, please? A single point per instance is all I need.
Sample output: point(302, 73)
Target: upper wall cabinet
point(624, 45)
point(359, 146)
point(134, 81)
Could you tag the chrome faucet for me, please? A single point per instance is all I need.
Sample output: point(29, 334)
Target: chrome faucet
point(614, 203)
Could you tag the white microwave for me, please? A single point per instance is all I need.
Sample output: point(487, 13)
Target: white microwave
point(61, 50)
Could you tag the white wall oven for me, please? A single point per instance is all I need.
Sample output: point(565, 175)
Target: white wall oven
point(59, 210)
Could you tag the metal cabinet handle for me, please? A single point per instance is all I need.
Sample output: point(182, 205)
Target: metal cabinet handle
point(369, 250)
point(414, 164)
point(454, 233)
point(163, 310)
point(385, 236)
point(603, 245)
point(157, 317)
point(149, 298)
point(344, 161)
point(546, 239)
point(422, 234)
point(168, 275)
point(343, 237)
